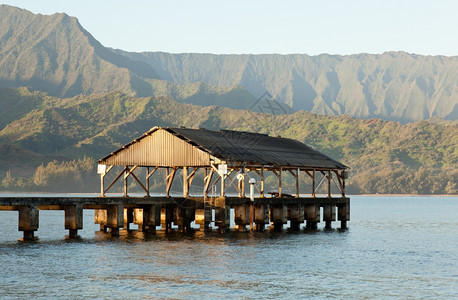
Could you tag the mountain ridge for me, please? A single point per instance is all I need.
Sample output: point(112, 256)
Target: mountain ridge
point(393, 85)
point(57, 55)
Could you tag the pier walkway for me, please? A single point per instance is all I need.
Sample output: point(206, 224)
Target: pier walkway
point(151, 213)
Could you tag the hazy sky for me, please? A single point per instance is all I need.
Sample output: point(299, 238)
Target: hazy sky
point(288, 26)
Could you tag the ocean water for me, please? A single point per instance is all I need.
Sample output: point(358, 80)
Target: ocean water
point(395, 247)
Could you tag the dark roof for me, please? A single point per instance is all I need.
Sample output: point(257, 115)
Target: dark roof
point(255, 148)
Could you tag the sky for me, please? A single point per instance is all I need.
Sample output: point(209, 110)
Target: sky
point(263, 27)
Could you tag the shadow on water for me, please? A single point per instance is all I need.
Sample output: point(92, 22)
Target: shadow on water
point(213, 237)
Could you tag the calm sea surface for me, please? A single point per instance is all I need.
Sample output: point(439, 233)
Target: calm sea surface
point(395, 247)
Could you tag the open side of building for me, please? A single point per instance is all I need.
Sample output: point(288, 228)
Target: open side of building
point(227, 158)
point(222, 160)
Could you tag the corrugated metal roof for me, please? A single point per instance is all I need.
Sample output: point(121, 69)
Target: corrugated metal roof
point(239, 146)
point(247, 147)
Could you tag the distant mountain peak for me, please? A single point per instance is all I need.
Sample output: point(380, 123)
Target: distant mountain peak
point(54, 53)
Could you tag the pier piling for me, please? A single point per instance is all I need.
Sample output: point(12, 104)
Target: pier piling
point(278, 215)
point(115, 218)
point(329, 215)
point(149, 212)
point(261, 216)
point(28, 221)
point(242, 216)
point(73, 219)
point(312, 216)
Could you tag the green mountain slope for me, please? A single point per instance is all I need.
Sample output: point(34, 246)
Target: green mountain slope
point(56, 55)
point(385, 157)
point(392, 86)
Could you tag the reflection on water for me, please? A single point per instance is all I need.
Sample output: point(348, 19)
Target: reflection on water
point(398, 247)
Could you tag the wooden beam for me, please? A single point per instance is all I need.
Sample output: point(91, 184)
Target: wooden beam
point(126, 175)
point(339, 179)
point(151, 173)
point(125, 180)
point(191, 176)
point(207, 181)
point(185, 182)
point(138, 181)
point(232, 182)
point(169, 180)
point(114, 181)
point(310, 174)
point(279, 179)
point(296, 176)
point(148, 175)
point(102, 181)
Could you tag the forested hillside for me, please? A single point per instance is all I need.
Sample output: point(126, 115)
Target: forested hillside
point(384, 157)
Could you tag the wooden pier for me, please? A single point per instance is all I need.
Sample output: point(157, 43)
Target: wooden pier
point(160, 213)
point(226, 162)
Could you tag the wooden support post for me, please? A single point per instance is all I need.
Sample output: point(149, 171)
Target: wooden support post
point(115, 218)
point(297, 182)
point(147, 181)
point(261, 175)
point(103, 173)
point(341, 180)
point(207, 211)
point(329, 183)
point(241, 185)
point(102, 184)
point(28, 221)
point(169, 180)
point(185, 182)
point(73, 219)
point(344, 175)
point(222, 185)
point(126, 175)
point(313, 184)
point(190, 178)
